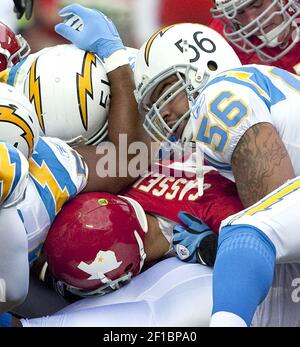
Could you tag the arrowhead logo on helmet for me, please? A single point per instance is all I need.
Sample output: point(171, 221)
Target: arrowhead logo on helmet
point(104, 262)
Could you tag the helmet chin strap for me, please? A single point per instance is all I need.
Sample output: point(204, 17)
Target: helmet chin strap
point(199, 168)
point(187, 133)
point(141, 248)
point(187, 136)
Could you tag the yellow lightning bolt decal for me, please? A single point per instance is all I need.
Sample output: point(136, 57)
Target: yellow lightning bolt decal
point(7, 114)
point(245, 76)
point(268, 202)
point(84, 86)
point(274, 198)
point(35, 94)
point(7, 173)
point(44, 177)
point(151, 40)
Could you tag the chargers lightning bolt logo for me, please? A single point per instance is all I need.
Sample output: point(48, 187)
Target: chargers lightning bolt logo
point(273, 198)
point(84, 86)
point(161, 32)
point(7, 173)
point(8, 115)
point(43, 176)
point(35, 94)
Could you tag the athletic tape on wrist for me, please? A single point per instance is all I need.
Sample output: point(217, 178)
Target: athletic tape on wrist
point(117, 59)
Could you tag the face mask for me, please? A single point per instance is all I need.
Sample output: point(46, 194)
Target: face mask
point(271, 38)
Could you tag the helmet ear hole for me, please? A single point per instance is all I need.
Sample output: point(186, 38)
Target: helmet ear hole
point(212, 65)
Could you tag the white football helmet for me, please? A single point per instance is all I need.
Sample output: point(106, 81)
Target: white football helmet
point(255, 37)
point(18, 121)
point(70, 93)
point(193, 52)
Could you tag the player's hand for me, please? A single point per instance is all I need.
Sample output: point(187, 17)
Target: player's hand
point(96, 33)
point(195, 242)
point(23, 6)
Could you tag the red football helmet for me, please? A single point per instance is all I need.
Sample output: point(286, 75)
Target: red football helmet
point(13, 47)
point(96, 243)
point(273, 32)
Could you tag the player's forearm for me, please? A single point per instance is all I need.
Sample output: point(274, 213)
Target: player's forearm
point(124, 118)
point(260, 163)
point(155, 243)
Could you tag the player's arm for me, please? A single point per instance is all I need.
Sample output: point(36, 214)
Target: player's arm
point(123, 119)
point(100, 36)
point(155, 244)
point(260, 163)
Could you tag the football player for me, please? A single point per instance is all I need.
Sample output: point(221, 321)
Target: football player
point(89, 256)
point(56, 171)
point(174, 191)
point(191, 85)
point(69, 90)
point(162, 197)
point(89, 216)
point(261, 31)
point(97, 218)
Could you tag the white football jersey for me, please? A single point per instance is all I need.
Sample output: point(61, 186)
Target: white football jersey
point(277, 216)
point(237, 99)
point(56, 174)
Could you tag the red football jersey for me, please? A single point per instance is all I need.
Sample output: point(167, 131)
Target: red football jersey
point(166, 195)
point(290, 61)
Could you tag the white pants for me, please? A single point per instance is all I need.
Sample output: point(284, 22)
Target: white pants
point(173, 293)
point(170, 293)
